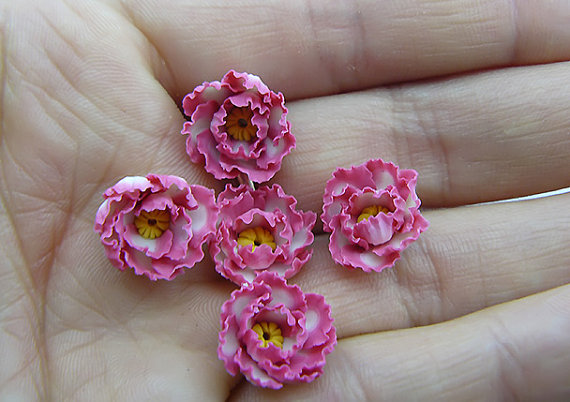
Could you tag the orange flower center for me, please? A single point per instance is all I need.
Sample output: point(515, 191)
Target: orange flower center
point(238, 124)
point(268, 332)
point(151, 225)
point(256, 237)
point(372, 210)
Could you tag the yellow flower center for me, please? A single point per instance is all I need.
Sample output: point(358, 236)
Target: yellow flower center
point(256, 237)
point(372, 210)
point(152, 224)
point(238, 124)
point(268, 332)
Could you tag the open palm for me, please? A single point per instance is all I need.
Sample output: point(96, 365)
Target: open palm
point(90, 93)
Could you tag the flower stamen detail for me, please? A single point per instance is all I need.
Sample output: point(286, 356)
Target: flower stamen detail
point(268, 332)
point(372, 210)
point(238, 124)
point(256, 237)
point(152, 225)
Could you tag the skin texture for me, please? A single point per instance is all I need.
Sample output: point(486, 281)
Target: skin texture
point(473, 95)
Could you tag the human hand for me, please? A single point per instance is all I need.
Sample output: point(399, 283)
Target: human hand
point(91, 93)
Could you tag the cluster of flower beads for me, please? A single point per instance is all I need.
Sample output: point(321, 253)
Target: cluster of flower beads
point(157, 225)
point(271, 331)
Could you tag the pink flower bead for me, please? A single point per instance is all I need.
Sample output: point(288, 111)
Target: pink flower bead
point(373, 213)
point(260, 230)
point(237, 126)
point(274, 333)
point(156, 224)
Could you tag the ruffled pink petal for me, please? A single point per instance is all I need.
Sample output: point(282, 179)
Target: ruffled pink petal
point(305, 366)
point(261, 258)
point(240, 275)
point(213, 160)
point(257, 175)
point(181, 230)
point(209, 92)
point(153, 248)
point(375, 230)
point(176, 187)
point(353, 256)
point(154, 201)
point(113, 252)
point(406, 185)
point(229, 344)
point(333, 204)
point(247, 295)
point(140, 263)
point(282, 293)
point(240, 203)
point(132, 185)
point(169, 269)
point(200, 126)
point(226, 243)
point(233, 272)
point(275, 147)
point(255, 217)
point(344, 224)
point(109, 215)
point(254, 374)
point(401, 240)
point(318, 320)
point(357, 176)
point(384, 174)
point(204, 216)
point(303, 236)
point(230, 192)
point(241, 82)
point(310, 362)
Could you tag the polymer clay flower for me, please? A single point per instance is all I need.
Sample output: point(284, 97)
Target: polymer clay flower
point(373, 213)
point(238, 126)
point(260, 230)
point(274, 333)
point(156, 224)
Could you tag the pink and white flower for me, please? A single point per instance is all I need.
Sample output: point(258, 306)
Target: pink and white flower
point(156, 224)
point(373, 213)
point(238, 126)
point(260, 230)
point(274, 333)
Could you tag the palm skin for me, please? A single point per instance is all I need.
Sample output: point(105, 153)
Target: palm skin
point(90, 93)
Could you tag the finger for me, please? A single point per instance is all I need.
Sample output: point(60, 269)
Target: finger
point(312, 48)
point(91, 95)
point(23, 361)
point(475, 138)
point(124, 338)
point(468, 259)
point(519, 350)
point(81, 110)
